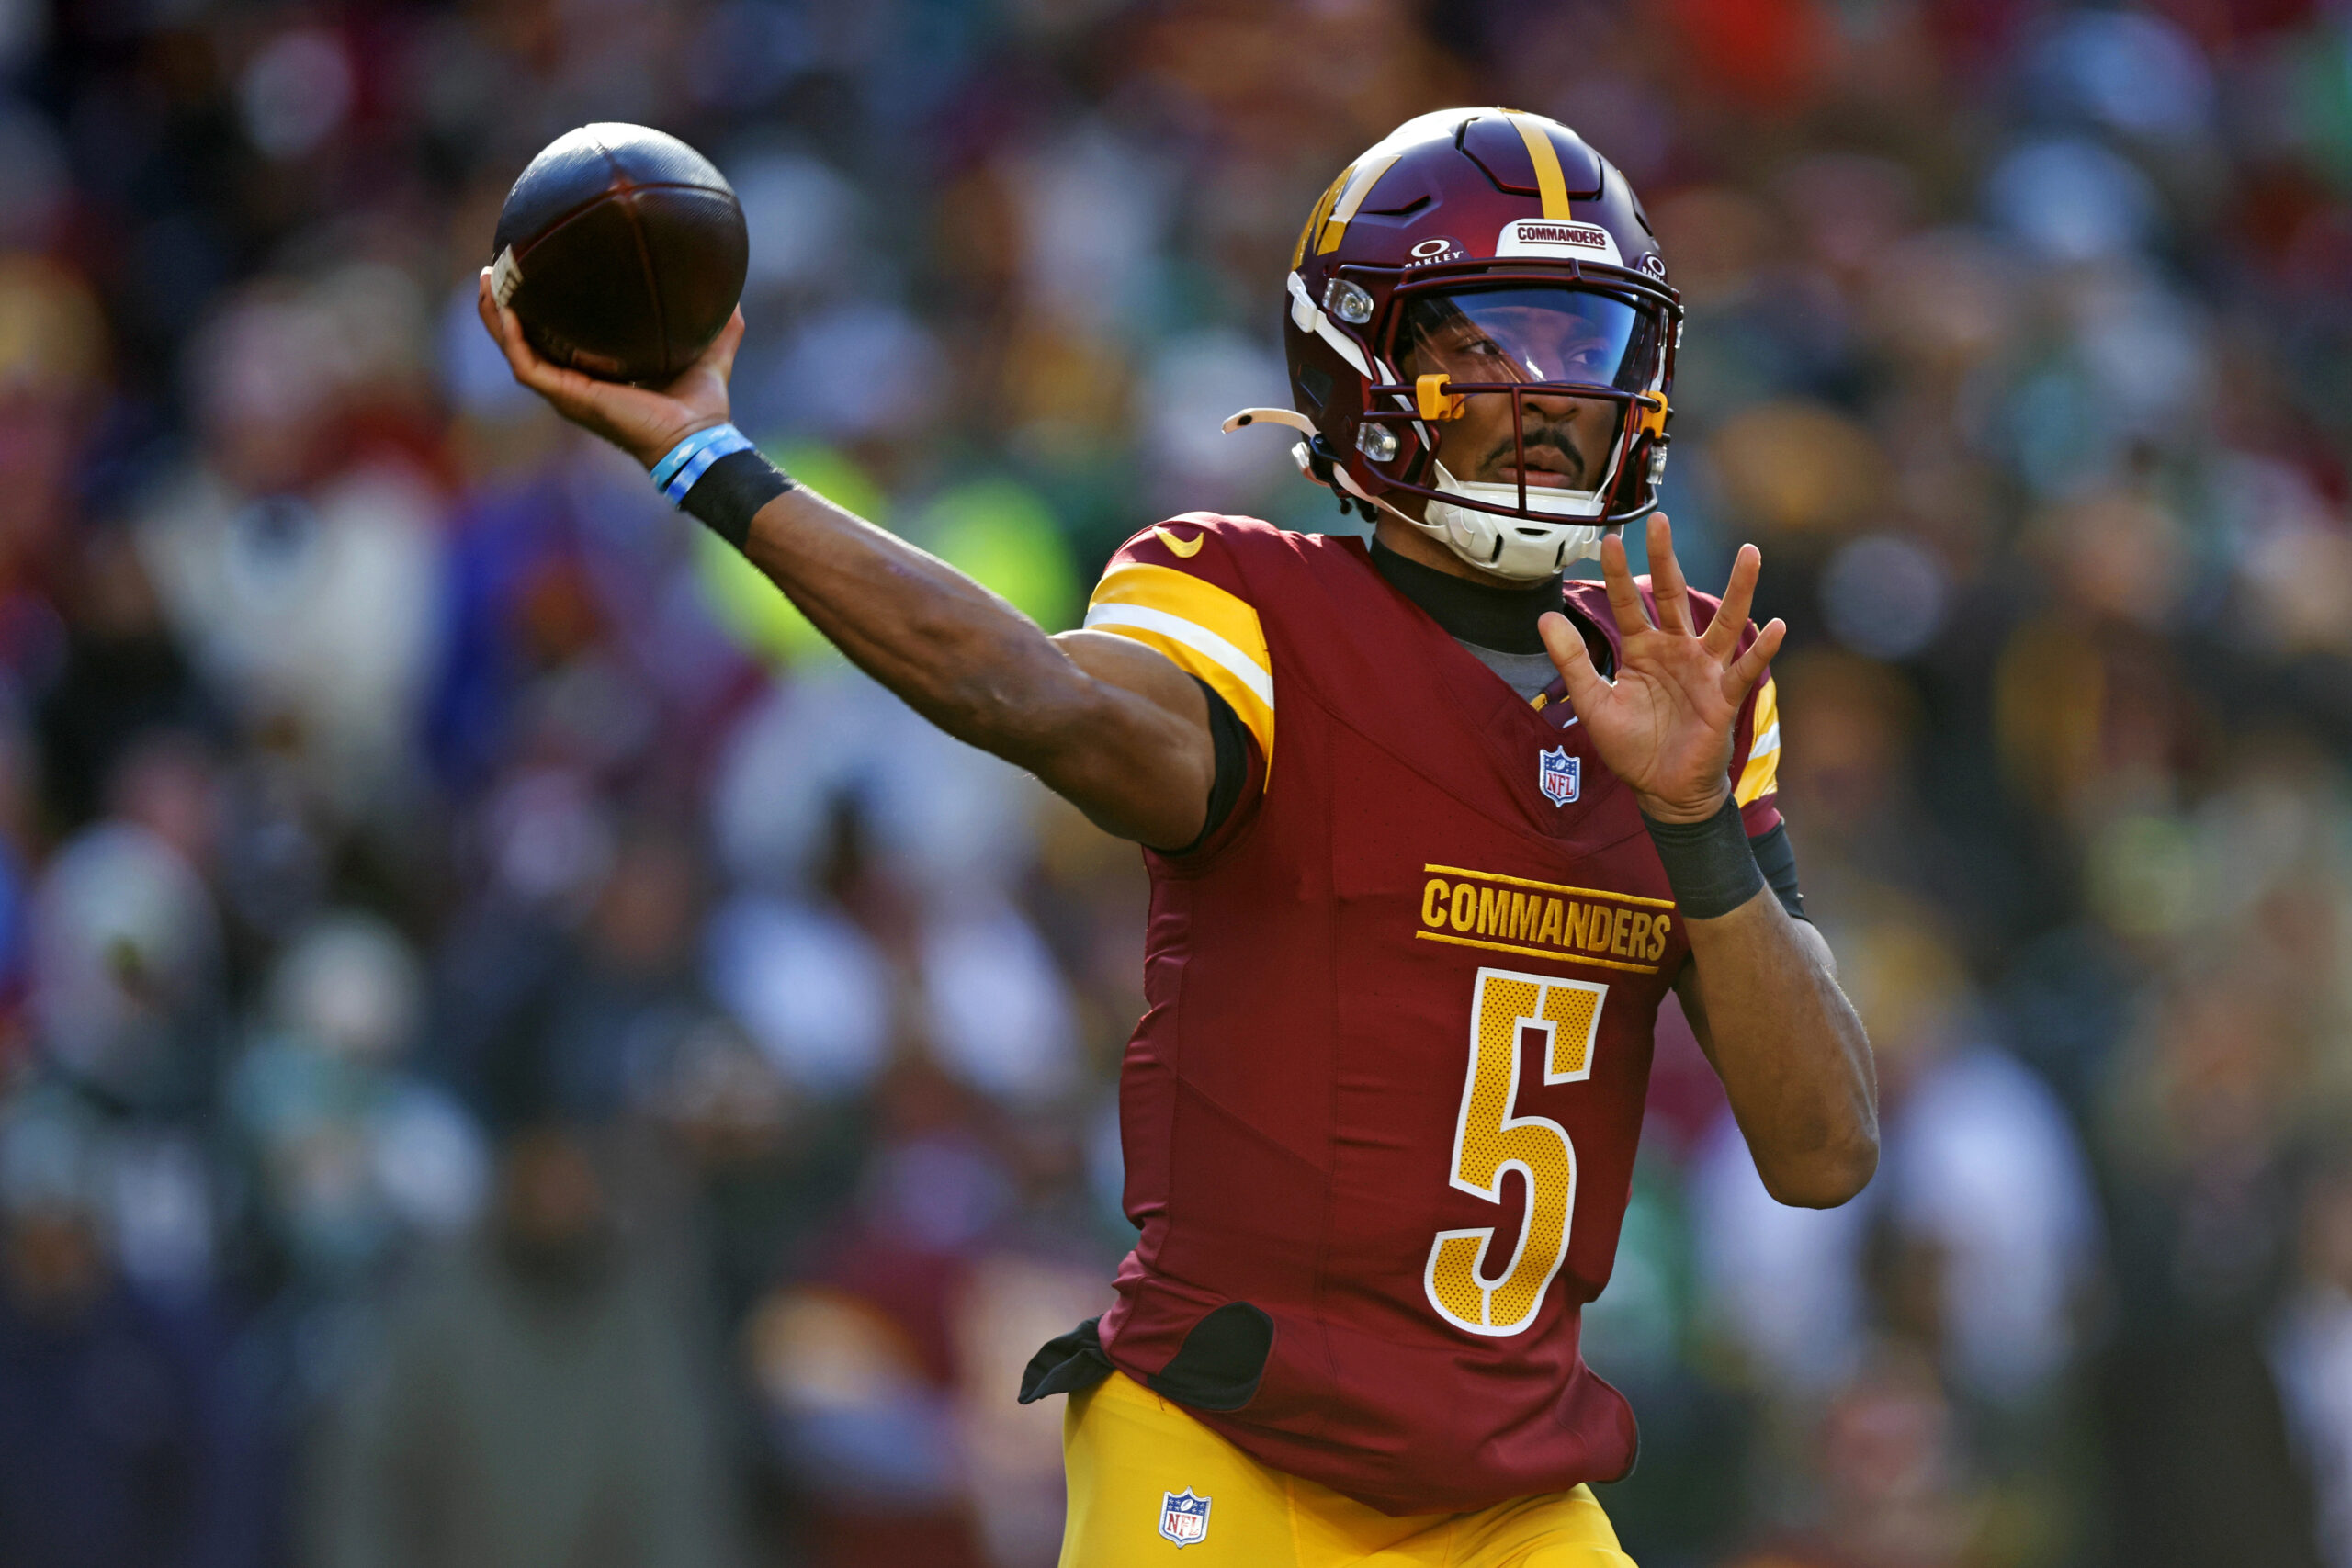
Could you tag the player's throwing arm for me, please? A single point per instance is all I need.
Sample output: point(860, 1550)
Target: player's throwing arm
point(1109, 725)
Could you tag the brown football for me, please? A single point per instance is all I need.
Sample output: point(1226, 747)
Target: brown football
point(623, 251)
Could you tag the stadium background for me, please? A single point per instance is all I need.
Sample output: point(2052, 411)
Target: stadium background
point(509, 1048)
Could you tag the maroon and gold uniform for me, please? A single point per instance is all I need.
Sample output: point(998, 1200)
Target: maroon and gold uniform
point(1390, 1081)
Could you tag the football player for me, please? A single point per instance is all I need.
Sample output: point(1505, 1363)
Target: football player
point(1433, 830)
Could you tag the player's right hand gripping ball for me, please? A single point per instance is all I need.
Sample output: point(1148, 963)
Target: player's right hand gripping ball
point(623, 252)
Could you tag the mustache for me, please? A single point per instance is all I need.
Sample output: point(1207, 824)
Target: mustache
point(1549, 438)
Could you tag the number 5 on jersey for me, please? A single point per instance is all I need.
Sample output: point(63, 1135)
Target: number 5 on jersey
point(1488, 1141)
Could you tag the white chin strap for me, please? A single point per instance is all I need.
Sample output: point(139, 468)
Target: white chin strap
point(1514, 546)
point(1507, 547)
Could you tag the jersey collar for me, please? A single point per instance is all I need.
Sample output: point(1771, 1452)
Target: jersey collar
point(1503, 619)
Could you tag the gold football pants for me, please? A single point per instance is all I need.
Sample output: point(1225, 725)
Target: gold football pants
point(1128, 1454)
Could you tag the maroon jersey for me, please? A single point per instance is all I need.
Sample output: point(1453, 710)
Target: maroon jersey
point(1390, 1079)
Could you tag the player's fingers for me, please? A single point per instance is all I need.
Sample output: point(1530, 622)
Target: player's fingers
point(524, 360)
point(1748, 668)
point(1739, 597)
point(719, 359)
point(721, 352)
point(1669, 590)
point(504, 329)
point(1571, 659)
point(494, 321)
point(1624, 599)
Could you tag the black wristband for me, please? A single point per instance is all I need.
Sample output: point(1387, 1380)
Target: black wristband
point(1777, 860)
point(1708, 865)
point(731, 491)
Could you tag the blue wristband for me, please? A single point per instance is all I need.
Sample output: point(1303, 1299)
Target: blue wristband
point(675, 474)
point(683, 450)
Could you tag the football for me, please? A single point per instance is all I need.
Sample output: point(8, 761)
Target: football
point(622, 250)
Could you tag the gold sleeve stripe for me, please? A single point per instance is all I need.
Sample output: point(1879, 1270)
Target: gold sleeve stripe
point(1335, 228)
point(1549, 181)
point(1204, 630)
point(1200, 653)
point(1230, 661)
point(1761, 776)
point(1194, 599)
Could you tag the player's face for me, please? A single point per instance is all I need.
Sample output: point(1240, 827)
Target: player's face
point(1523, 335)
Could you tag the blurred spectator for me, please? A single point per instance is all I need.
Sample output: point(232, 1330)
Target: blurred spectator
point(535, 1401)
point(127, 967)
point(882, 1375)
point(353, 1152)
point(1938, 1318)
point(1894, 1492)
point(115, 1442)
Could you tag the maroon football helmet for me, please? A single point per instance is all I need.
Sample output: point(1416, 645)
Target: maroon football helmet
point(1484, 250)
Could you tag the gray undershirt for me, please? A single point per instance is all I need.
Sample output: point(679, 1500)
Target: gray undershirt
point(1526, 673)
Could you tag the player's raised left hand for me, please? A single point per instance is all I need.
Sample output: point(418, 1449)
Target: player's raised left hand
point(1664, 724)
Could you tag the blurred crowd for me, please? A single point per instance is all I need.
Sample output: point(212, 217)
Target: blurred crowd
point(513, 1053)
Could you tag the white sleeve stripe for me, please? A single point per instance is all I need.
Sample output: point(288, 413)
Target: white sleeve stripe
point(1766, 743)
point(1235, 662)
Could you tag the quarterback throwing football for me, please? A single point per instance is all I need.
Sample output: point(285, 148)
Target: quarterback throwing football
point(1431, 829)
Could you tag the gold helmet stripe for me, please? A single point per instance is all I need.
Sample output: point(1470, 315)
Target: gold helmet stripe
point(1351, 200)
point(1315, 219)
point(1549, 181)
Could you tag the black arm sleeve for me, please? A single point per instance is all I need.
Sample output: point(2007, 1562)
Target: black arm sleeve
point(1778, 862)
point(1232, 743)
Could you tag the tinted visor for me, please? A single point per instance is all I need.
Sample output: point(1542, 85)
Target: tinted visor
point(1527, 334)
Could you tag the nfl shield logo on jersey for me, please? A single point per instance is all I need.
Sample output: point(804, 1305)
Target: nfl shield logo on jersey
point(1559, 773)
point(1184, 1517)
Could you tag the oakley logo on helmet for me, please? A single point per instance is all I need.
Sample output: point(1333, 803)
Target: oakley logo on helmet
point(1430, 250)
point(1540, 237)
point(1655, 265)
